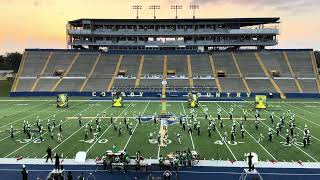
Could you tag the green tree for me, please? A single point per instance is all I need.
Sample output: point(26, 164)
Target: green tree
point(317, 55)
point(14, 60)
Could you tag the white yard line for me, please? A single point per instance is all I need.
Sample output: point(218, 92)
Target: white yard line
point(25, 116)
point(285, 138)
point(107, 129)
point(297, 127)
point(158, 155)
point(307, 112)
point(98, 139)
point(24, 100)
point(35, 123)
point(185, 113)
point(74, 132)
point(225, 142)
point(252, 136)
point(9, 106)
point(43, 134)
point(136, 126)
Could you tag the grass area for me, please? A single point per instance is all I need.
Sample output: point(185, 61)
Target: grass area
point(15, 112)
point(5, 87)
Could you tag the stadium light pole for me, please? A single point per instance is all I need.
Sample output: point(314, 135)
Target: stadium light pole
point(154, 8)
point(176, 7)
point(194, 7)
point(137, 7)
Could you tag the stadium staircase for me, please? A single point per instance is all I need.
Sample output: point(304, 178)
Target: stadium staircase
point(91, 72)
point(115, 74)
point(264, 68)
point(243, 71)
point(137, 82)
point(239, 71)
point(103, 74)
point(22, 64)
point(291, 71)
point(190, 71)
point(315, 70)
point(65, 73)
point(164, 75)
point(42, 72)
point(214, 74)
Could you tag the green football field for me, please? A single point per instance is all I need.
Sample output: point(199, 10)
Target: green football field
point(15, 111)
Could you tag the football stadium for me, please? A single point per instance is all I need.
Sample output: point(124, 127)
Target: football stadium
point(192, 98)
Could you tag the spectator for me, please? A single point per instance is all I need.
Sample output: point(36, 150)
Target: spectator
point(91, 177)
point(81, 177)
point(49, 154)
point(167, 175)
point(69, 176)
point(57, 162)
point(24, 173)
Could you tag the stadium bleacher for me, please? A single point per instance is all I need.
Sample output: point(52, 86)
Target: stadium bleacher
point(94, 71)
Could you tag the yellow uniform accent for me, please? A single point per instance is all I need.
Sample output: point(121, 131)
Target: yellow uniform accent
point(292, 73)
point(42, 72)
point(115, 73)
point(266, 72)
point(91, 72)
point(65, 73)
point(139, 71)
point(213, 69)
point(239, 71)
point(315, 70)
point(190, 71)
point(16, 80)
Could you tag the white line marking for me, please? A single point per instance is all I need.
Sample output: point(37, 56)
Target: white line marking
point(98, 139)
point(293, 143)
point(35, 123)
point(106, 129)
point(26, 116)
point(251, 135)
point(158, 152)
point(225, 143)
point(307, 112)
point(184, 110)
point(75, 131)
point(136, 126)
point(43, 134)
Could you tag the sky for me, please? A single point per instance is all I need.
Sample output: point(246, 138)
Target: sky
point(42, 23)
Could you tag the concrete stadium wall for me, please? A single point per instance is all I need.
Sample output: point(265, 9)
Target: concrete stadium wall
point(185, 173)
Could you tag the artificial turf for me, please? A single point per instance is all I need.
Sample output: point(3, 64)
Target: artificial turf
point(15, 112)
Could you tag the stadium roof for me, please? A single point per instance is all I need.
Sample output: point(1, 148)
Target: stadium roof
point(241, 21)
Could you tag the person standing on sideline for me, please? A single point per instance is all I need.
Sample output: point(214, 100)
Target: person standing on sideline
point(24, 173)
point(49, 154)
point(57, 162)
point(69, 176)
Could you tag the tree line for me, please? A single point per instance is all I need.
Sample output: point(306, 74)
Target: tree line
point(10, 61)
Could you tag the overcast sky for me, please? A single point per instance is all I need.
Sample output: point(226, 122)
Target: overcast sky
point(41, 23)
